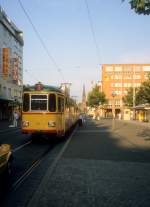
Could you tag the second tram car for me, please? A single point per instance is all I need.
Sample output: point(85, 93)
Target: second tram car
point(47, 109)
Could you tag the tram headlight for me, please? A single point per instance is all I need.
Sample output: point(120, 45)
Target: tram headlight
point(51, 124)
point(25, 123)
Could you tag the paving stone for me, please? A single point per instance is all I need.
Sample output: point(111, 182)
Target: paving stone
point(79, 182)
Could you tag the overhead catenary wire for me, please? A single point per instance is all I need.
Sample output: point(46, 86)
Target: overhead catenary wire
point(41, 40)
point(93, 32)
point(31, 76)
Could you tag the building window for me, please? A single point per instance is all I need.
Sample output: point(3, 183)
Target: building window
point(118, 68)
point(117, 92)
point(128, 77)
point(15, 92)
point(146, 76)
point(110, 102)
point(136, 77)
point(137, 84)
point(127, 68)
point(9, 92)
point(118, 84)
point(117, 77)
point(127, 84)
point(109, 68)
point(117, 102)
point(146, 68)
point(137, 68)
point(4, 91)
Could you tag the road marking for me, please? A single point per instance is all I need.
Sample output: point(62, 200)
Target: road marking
point(20, 147)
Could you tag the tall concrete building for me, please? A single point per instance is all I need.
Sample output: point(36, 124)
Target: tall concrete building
point(11, 65)
point(118, 78)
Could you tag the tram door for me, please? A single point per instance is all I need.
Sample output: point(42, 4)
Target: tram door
point(61, 118)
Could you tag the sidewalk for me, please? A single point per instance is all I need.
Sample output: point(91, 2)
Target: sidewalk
point(6, 125)
point(145, 124)
point(135, 122)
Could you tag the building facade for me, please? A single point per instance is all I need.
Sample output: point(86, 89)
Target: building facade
point(117, 79)
point(11, 66)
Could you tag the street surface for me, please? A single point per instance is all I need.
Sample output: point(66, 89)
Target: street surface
point(103, 163)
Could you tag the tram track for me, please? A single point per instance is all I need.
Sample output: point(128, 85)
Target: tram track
point(21, 146)
point(23, 167)
point(21, 179)
point(55, 157)
point(32, 161)
point(35, 163)
point(34, 200)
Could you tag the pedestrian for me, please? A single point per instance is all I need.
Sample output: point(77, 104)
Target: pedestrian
point(119, 116)
point(80, 120)
point(15, 118)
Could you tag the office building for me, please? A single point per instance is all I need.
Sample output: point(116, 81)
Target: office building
point(117, 79)
point(11, 66)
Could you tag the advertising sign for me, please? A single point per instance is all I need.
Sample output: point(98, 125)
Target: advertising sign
point(6, 62)
point(15, 69)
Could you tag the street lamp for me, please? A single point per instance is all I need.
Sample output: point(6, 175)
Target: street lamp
point(133, 93)
point(113, 104)
point(113, 109)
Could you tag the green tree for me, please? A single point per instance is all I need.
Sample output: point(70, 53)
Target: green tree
point(140, 6)
point(128, 99)
point(143, 95)
point(95, 97)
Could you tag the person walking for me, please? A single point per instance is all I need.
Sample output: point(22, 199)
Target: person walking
point(80, 120)
point(15, 118)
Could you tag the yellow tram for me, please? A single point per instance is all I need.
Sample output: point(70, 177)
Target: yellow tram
point(47, 109)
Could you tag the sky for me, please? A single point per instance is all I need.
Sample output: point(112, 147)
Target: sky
point(80, 36)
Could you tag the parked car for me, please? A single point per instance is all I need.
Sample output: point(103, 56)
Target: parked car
point(5, 159)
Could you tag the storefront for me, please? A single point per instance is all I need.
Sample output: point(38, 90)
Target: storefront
point(142, 112)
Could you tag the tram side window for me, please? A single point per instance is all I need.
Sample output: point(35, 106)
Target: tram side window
point(60, 104)
point(26, 102)
point(52, 103)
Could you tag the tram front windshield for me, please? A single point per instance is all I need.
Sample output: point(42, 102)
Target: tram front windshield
point(39, 102)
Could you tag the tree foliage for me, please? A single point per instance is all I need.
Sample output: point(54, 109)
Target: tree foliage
point(140, 6)
point(95, 97)
point(142, 94)
point(128, 99)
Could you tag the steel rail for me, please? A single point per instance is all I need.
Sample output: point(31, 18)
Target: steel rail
point(20, 180)
point(37, 162)
point(21, 146)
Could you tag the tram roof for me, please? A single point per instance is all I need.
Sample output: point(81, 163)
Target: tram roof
point(45, 88)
